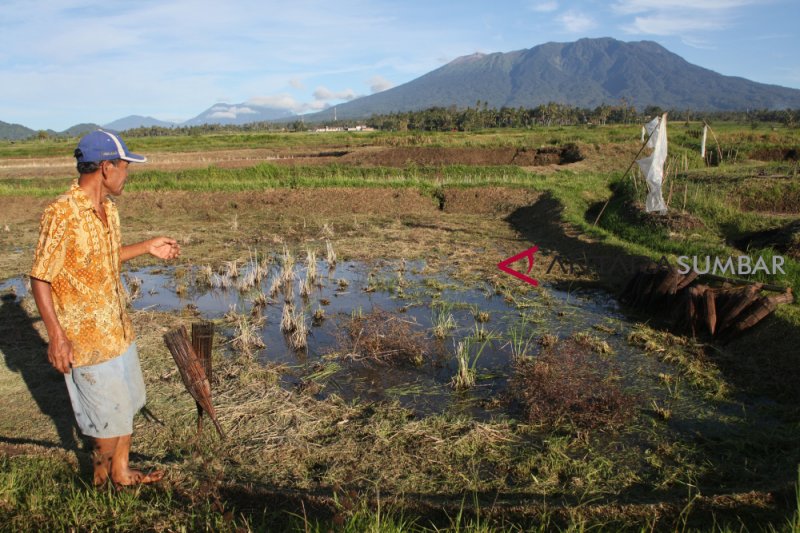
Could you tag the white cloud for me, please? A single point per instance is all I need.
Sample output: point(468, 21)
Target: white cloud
point(576, 22)
point(324, 94)
point(221, 111)
point(378, 84)
point(662, 24)
point(279, 101)
point(684, 18)
point(297, 83)
point(544, 7)
point(627, 7)
point(287, 102)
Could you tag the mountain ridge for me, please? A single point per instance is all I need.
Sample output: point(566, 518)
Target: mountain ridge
point(583, 73)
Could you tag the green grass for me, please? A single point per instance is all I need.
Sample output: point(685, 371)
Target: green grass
point(267, 176)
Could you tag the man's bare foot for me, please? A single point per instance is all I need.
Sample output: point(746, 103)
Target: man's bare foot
point(130, 477)
point(102, 468)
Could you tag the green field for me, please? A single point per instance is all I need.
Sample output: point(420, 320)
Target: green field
point(715, 448)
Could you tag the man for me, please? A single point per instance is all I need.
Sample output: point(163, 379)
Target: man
point(76, 283)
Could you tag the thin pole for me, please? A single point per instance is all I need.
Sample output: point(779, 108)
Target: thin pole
point(625, 175)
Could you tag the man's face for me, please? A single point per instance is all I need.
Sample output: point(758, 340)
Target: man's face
point(114, 176)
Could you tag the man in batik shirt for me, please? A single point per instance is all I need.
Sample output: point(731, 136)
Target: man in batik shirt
point(76, 283)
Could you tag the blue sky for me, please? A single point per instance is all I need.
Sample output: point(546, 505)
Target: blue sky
point(63, 63)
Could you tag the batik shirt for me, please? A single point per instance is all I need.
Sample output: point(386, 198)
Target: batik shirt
point(80, 257)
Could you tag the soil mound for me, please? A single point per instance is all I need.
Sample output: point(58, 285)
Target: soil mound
point(785, 239)
point(777, 153)
point(487, 200)
point(431, 156)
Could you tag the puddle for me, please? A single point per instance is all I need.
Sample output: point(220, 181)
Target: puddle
point(409, 293)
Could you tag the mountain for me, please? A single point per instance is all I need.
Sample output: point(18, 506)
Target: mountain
point(79, 130)
point(14, 131)
point(136, 121)
point(585, 73)
point(238, 114)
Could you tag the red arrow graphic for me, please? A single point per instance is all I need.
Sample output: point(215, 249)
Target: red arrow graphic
point(504, 265)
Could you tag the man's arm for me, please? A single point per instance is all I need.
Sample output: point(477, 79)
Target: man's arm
point(59, 349)
point(161, 247)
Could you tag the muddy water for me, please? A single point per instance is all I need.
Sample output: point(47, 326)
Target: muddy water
point(409, 292)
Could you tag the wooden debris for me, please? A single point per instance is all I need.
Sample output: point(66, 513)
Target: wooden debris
point(192, 371)
point(723, 311)
point(711, 310)
point(760, 309)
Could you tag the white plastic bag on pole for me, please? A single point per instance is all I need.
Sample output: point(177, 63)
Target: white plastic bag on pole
point(653, 166)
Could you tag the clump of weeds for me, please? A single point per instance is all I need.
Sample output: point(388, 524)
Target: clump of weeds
point(134, 287)
point(330, 255)
point(480, 333)
point(318, 317)
point(287, 266)
point(520, 339)
point(442, 318)
point(311, 267)
point(547, 340)
point(287, 318)
point(231, 269)
point(686, 354)
point(247, 338)
point(593, 343)
point(275, 286)
point(304, 288)
point(204, 276)
point(467, 372)
point(480, 316)
point(298, 339)
point(383, 337)
point(568, 384)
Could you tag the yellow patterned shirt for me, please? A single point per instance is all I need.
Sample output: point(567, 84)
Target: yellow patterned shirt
point(79, 256)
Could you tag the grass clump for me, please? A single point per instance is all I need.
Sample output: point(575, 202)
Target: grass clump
point(593, 343)
point(466, 375)
point(383, 337)
point(569, 385)
point(247, 338)
point(688, 355)
point(520, 339)
point(442, 319)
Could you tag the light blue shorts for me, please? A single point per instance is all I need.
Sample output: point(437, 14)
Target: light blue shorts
point(106, 396)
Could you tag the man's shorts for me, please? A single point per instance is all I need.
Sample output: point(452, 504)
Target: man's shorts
point(106, 396)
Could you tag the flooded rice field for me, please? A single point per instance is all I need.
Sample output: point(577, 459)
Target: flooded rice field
point(395, 331)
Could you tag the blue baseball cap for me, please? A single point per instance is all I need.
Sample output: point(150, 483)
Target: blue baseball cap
point(101, 145)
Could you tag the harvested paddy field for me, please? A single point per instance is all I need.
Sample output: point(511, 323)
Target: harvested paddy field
point(371, 360)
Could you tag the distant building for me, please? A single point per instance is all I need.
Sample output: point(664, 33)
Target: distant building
point(360, 127)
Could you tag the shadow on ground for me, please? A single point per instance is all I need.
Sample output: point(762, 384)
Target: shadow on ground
point(24, 352)
point(569, 254)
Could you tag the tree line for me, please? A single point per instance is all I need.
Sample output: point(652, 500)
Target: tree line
point(482, 116)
